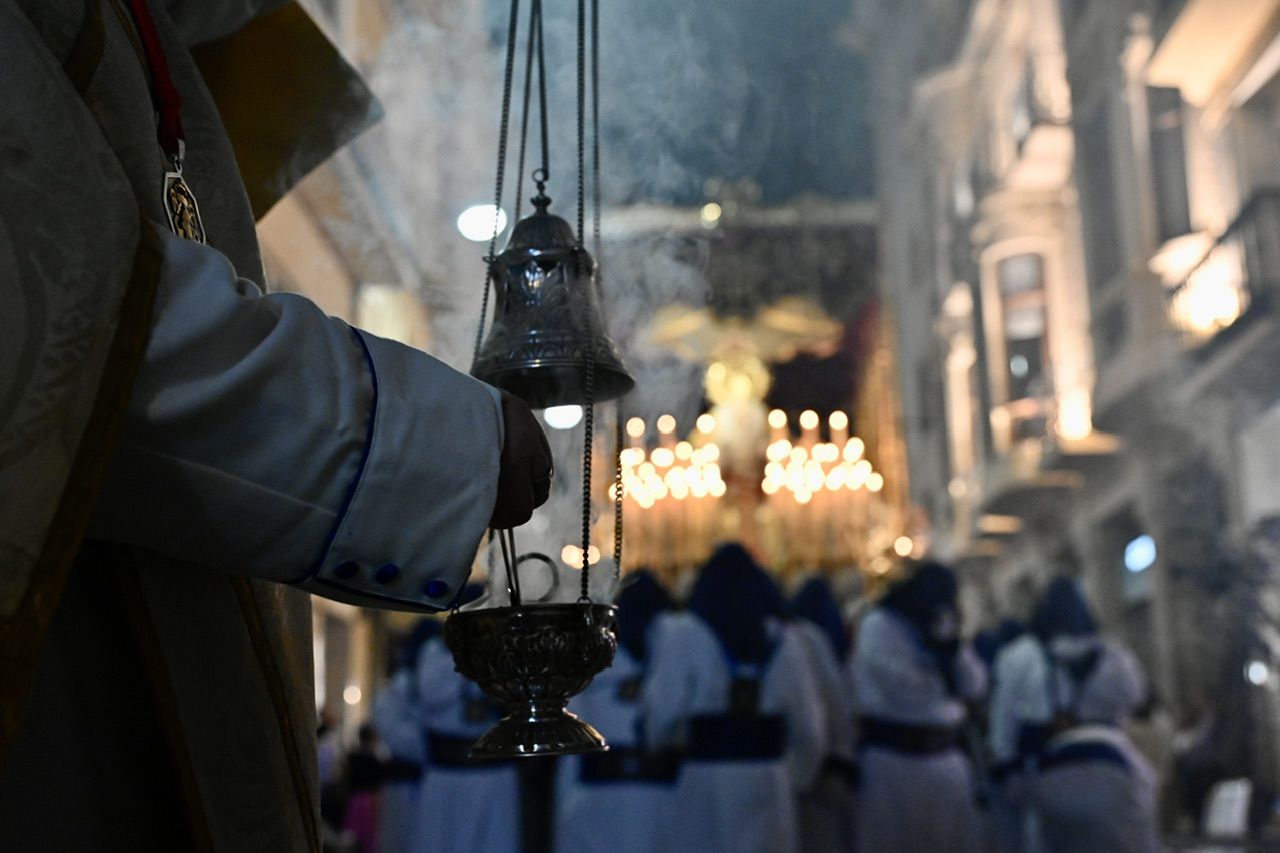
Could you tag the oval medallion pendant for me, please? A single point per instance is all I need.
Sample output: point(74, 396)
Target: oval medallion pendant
point(180, 205)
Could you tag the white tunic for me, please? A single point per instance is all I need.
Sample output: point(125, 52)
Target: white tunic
point(1086, 804)
point(908, 803)
point(742, 806)
point(621, 817)
point(1097, 805)
point(475, 809)
point(398, 720)
point(826, 808)
point(1024, 695)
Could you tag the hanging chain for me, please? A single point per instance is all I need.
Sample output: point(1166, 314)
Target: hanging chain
point(534, 10)
point(589, 378)
point(501, 171)
point(595, 125)
point(582, 117)
point(536, 49)
point(588, 438)
point(543, 125)
point(596, 192)
point(617, 491)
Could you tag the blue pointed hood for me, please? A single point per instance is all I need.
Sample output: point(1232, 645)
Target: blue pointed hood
point(919, 598)
point(642, 599)
point(736, 598)
point(816, 603)
point(1062, 612)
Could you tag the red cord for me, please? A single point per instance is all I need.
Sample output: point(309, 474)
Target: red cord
point(164, 94)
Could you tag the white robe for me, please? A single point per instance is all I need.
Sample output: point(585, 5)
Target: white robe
point(398, 720)
point(909, 803)
point(621, 817)
point(1097, 805)
point(461, 810)
point(741, 806)
point(826, 808)
point(1093, 805)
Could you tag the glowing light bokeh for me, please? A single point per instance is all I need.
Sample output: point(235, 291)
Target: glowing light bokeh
point(477, 222)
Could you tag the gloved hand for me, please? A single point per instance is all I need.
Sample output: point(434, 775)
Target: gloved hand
point(524, 475)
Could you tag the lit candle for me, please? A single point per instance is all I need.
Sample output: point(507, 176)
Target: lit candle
point(839, 424)
point(808, 427)
point(777, 425)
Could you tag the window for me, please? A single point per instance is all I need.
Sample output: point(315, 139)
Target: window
point(1131, 555)
point(1168, 162)
point(1020, 279)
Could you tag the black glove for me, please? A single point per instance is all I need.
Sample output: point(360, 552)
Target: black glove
point(524, 475)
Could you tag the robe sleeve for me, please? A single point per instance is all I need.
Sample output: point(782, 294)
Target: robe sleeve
point(1116, 688)
point(971, 674)
point(832, 683)
point(800, 703)
point(679, 658)
point(890, 666)
point(1002, 726)
point(1020, 697)
point(896, 679)
point(267, 439)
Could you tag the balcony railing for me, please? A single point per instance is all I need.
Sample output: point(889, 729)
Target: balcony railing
point(1239, 276)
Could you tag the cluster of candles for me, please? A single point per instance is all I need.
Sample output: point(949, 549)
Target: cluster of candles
point(810, 466)
point(677, 488)
point(675, 469)
point(818, 494)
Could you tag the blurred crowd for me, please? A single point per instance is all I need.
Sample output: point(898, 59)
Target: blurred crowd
point(743, 719)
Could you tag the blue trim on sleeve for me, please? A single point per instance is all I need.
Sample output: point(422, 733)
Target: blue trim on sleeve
point(364, 460)
point(392, 602)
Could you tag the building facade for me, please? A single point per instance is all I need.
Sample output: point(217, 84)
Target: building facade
point(1081, 250)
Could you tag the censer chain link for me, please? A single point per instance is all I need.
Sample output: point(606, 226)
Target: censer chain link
point(503, 127)
point(535, 48)
point(617, 491)
point(588, 405)
point(596, 193)
point(524, 110)
point(582, 117)
point(543, 127)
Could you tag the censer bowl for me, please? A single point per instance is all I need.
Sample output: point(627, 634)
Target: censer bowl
point(532, 659)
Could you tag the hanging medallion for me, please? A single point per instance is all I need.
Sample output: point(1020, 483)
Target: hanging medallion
point(180, 205)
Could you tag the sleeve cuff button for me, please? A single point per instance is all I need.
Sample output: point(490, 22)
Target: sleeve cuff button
point(436, 589)
point(387, 574)
point(346, 571)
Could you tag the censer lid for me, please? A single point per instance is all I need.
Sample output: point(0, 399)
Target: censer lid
point(541, 231)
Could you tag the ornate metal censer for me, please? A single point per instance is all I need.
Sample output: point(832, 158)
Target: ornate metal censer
point(547, 345)
point(547, 318)
point(532, 658)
